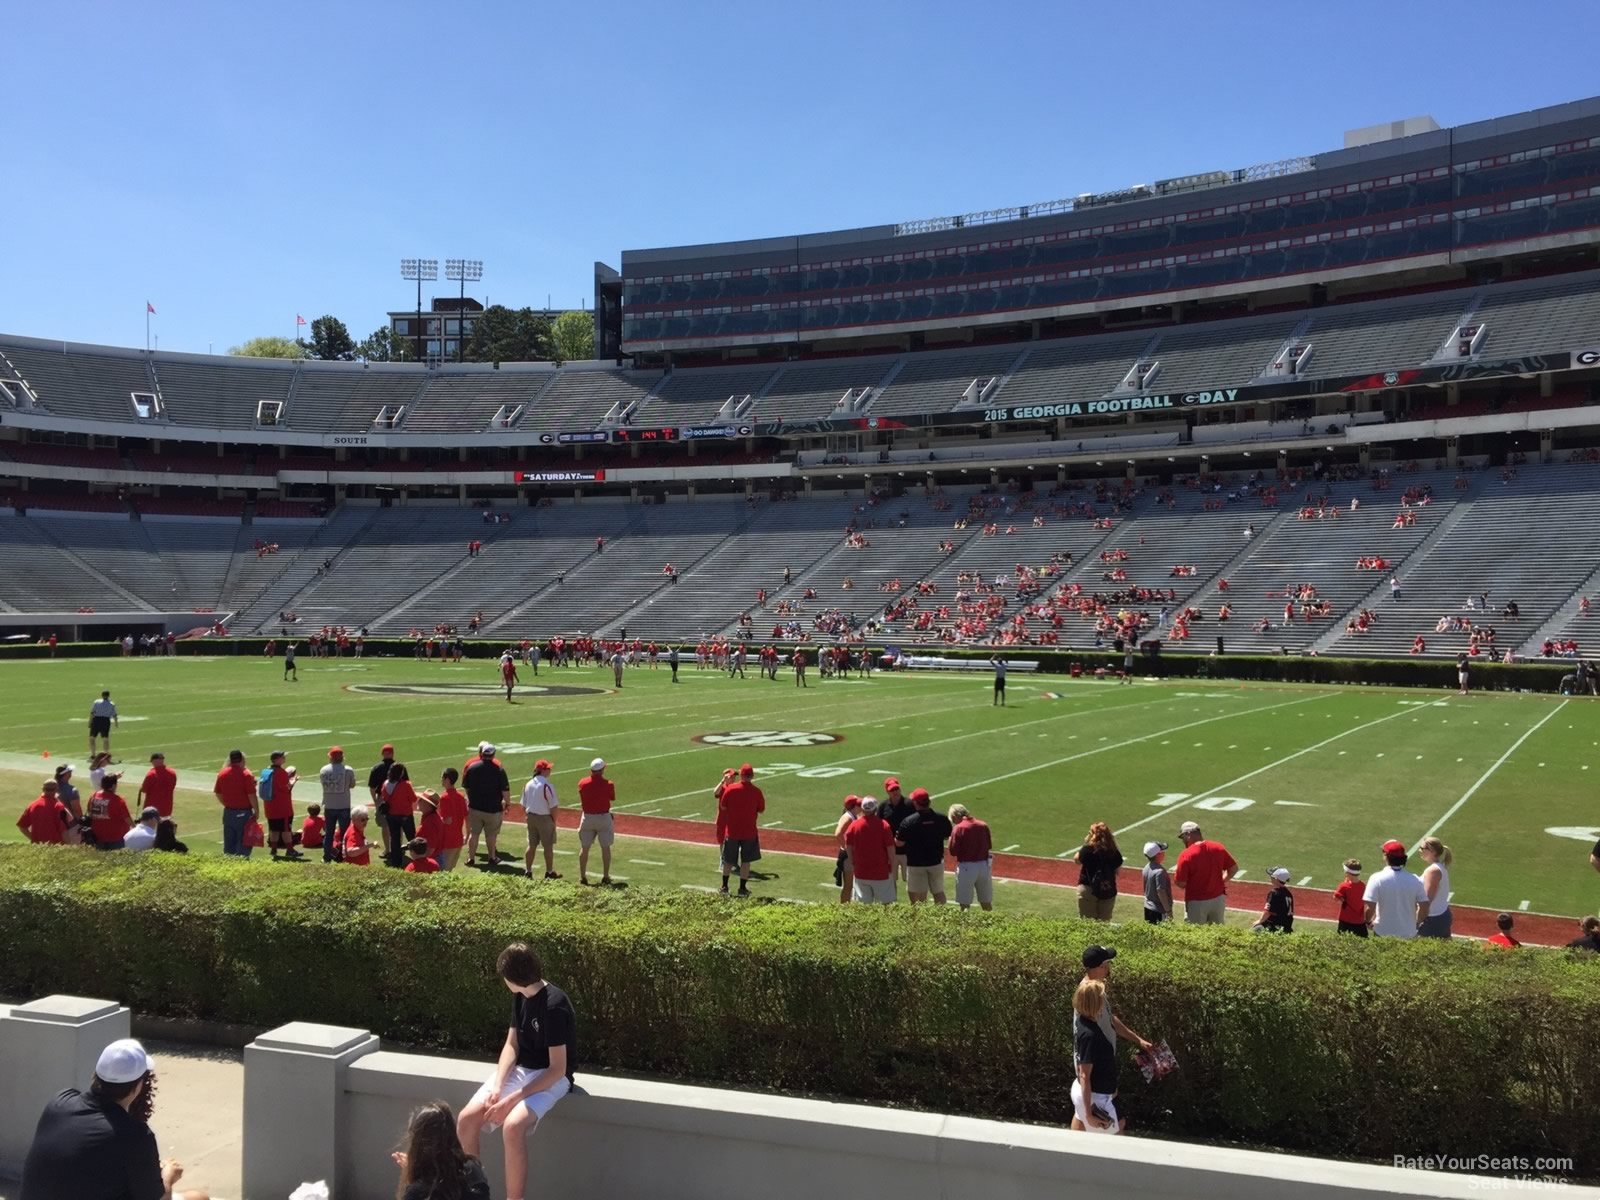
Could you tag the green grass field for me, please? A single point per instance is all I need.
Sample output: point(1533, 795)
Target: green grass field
point(1302, 776)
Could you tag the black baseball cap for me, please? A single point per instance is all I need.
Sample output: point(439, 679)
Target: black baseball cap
point(1095, 956)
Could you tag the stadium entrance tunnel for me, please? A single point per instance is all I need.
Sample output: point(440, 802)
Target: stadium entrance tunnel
point(467, 690)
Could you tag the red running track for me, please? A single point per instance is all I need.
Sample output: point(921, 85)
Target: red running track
point(1534, 928)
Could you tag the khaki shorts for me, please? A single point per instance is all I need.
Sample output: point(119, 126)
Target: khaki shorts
point(484, 822)
point(974, 877)
point(925, 880)
point(541, 830)
point(1205, 912)
point(596, 825)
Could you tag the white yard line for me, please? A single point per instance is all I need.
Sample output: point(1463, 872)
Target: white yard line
point(1498, 763)
point(1288, 758)
point(1056, 762)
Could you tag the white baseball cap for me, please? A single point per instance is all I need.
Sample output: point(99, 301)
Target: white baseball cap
point(598, 764)
point(1151, 849)
point(123, 1061)
point(1281, 874)
point(486, 750)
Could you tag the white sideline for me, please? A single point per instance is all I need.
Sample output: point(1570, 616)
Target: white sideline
point(1484, 778)
point(967, 787)
point(1192, 800)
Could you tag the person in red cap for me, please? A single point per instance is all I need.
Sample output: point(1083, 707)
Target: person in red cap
point(376, 778)
point(160, 782)
point(896, 808)
point(338, 782)
point(738, 806)
point(539, 804)
point(842, 874)
point(45, 820)
point(921, 838)
point(1396, 900)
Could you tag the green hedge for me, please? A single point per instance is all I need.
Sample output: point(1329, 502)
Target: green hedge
point(1401, 672)
point(1323, 1044)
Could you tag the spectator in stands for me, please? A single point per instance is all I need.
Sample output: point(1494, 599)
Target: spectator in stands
point(535, 1067)
point(539, 804)
point(102, 716)
point(922, 835)
point(1098, 861)
point(596, 796)
point(98, 1143)
point(1396, 902)
point(973, 849)
point(1589, 939)
point(1157, 884)
point(109, 818)
point(433, 1166)
point(1502, 937)
point(1203, 872)
point(143, 834)
point(44, 822)
point(338, 782)
point(488, 790)
point(1436, 882)
point(869, 846)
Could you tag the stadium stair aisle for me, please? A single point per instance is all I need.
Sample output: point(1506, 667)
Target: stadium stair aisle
point(113, 540)
point(346, 526)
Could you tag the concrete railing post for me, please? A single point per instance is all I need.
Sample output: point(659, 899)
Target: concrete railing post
point(47, 1046)
point(294, 1105)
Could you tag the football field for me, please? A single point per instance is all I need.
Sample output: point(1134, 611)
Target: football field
point(1299, 776)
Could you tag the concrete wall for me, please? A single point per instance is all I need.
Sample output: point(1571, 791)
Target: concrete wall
point(315, 1088)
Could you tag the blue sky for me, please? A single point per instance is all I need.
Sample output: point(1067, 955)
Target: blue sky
point(239, 164)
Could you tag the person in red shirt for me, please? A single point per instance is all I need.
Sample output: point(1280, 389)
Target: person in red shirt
point(311, 828)
point(109, 818)
point(357, 850)
point(1503, 939)
point(430, 828)
point(45, 820)
point(1203, 871)
point(1351, 895)
point(973, 849)
point(401, 808)
point(841, 868)
point(418, 862)
point(738, 806)
point(869, 844)
point(452, 821)
point(235, 790)
point(160, 781)
point(596, 795)
point(280, 809)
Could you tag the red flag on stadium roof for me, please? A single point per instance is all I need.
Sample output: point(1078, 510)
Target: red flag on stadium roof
point(148, 307)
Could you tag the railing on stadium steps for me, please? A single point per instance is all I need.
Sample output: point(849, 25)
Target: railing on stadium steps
point(1165, 187)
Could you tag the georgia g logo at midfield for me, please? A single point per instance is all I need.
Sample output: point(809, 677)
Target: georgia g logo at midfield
point(768, 737)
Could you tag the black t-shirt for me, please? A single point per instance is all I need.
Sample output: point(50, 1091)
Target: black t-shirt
point(895, 813)
point(1090, 1045)
point(924, 832)
point(378, 776)
point(543, 1020)
point(1280, 909)
point(485, 783)
point(88, 1148)
point(1093, 866)
point(1589, 941)
point(1596, 850)
point(473, 1185)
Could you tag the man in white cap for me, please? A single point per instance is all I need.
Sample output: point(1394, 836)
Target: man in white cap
point(488, 790)
point(869, 848)
point(596, 795)
point(97, 1145)
point(1204, 871)
point(143, 835)
point(1157, 884)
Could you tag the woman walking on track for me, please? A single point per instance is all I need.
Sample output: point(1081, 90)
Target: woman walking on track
point(1098, 862)
point(1436, 881)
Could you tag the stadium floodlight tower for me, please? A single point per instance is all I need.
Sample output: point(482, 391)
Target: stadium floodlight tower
point(419, 269)
point(462, 270)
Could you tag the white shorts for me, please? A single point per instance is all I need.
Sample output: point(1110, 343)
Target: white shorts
point(1106, 1104)
point(925, 880)
point(539, 1103)
point(596, 825)
point(974, 877)
point(874, 891)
